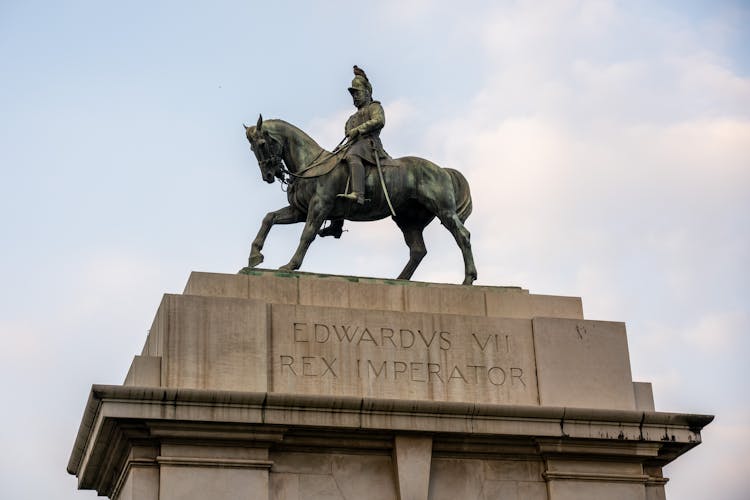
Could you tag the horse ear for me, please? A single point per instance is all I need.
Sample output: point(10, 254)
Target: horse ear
point(260, 122)
point(246, 127)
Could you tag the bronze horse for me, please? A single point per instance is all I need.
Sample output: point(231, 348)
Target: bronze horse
point(419, 191)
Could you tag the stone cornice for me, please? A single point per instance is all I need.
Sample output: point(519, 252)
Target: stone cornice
point(675, 432)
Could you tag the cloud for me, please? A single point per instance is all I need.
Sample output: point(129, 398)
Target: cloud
point(717, 332)
point(328, 130)
point(400, 112)
point(22, 341)
point(624, 180)
point(398, 12)
point(721, 460)
point(518, 29)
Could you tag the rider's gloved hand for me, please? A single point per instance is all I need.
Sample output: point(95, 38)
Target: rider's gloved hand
point(353, 133)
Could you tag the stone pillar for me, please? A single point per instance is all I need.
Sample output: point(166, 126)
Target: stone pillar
point(140, 480)
point(655, 483)
point(412, 457)
point(596, 470)
point(219, 473)
point(579, 480)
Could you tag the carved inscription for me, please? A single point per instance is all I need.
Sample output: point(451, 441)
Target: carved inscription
point(395, 369)
point(390, 354)
point(355, 334)
point(415, 371)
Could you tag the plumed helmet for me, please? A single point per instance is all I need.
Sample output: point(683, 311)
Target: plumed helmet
point(360, 81)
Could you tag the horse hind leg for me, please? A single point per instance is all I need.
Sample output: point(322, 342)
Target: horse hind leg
point(417, 250)
point(412, 225)
point(463, 238)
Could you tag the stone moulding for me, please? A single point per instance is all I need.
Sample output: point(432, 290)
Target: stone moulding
point(284, 386)
point(117, 416)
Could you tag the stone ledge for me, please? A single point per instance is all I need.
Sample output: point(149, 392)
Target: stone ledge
point(357, 292)
point(591, 476)
point(214, 462)
point(677, 432)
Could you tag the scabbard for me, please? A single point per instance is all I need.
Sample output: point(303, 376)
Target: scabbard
point(382, 179)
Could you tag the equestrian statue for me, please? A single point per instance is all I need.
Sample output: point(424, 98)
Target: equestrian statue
point(357, 181)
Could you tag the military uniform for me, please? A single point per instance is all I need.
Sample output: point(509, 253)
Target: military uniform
point(363, 130)
point(370, 120)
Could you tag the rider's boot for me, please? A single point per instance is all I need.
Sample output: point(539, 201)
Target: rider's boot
point(358, 180)
point(335, 228)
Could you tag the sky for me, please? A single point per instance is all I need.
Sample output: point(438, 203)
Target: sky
point(607, 145)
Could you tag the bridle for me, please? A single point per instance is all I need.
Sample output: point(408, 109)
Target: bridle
point(272, 158)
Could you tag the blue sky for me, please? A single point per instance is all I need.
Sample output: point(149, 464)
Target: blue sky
point(607, 144)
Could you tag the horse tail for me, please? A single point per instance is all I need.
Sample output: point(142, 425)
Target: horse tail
point(462, 193)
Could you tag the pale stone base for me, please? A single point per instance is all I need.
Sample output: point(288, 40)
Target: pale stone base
point(287, 386)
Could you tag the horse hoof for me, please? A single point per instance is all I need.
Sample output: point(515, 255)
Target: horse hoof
point(254, 260)
point(469, 280)
point(287, 268)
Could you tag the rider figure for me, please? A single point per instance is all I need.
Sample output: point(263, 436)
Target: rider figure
point(363, 131)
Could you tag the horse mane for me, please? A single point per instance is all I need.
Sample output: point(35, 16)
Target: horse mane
point(274, 126)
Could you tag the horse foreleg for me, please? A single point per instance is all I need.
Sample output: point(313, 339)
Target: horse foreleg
point(286, 215)
point(315, 217)
point(462, 236)
point(417, 249)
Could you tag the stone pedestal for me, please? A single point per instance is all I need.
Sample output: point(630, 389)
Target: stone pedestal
point(291, 386)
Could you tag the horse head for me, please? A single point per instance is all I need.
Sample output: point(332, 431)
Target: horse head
point(268, 151)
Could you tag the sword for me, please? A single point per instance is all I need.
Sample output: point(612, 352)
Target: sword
point(382, 180)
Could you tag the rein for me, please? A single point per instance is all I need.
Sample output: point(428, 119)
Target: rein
point(278, 160)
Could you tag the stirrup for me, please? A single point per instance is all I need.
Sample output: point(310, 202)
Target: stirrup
point(354, 196)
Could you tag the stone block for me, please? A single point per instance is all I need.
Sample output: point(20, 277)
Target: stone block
point(512, 304)
point(210, 342)
point(655, 492)
point(386, 297)
point(364, 476)
point(513, 470)
point(505, 490)
point(595, 490)
point(584, 467)
point(536, 490)
point(316, 487)
point(302, 463)
point(581, 479)
point(217, 285)
point(452, 479)
point(388, 354)
point(644, 396)
point(380, 294)
point(141, 483)
point(583, 364)
point(445, 299)
point(179, 482)
point(412, 458)
point(655, 483)
point(327, 292)
point(284, 486)
point(145, 371)
point(213, 454)
point(275, 288)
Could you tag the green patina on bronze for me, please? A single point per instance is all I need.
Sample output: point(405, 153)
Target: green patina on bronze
point(358, 181)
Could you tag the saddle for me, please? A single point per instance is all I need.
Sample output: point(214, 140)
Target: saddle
point(328, 162)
